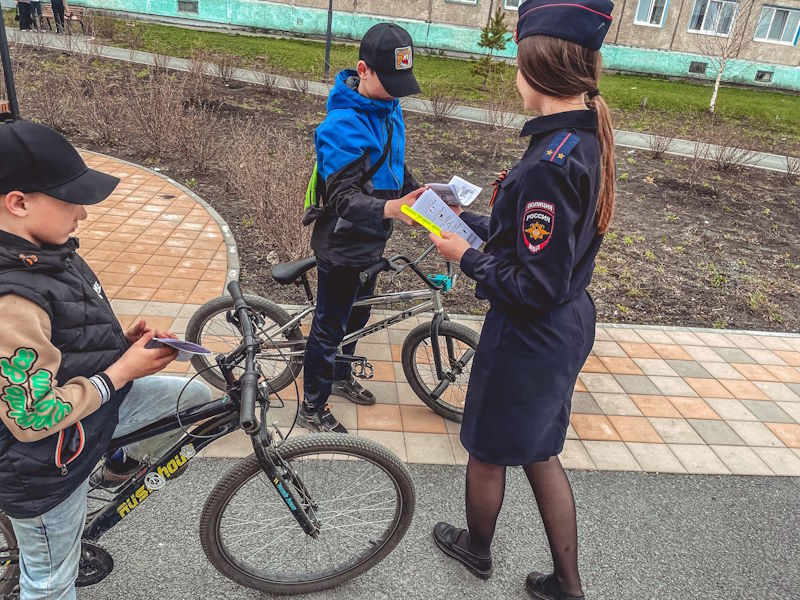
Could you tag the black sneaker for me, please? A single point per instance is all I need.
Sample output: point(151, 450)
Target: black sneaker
point(319, 419)
point(546, 587)
point(446, 537)
point(112, 474)
point(353, 391)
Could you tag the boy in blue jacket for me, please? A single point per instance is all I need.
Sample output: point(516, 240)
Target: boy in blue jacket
point(360, 161)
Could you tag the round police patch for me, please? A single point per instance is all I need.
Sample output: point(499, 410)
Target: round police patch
point(537, 225)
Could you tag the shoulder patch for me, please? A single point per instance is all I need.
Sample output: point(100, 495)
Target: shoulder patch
point(559, 147)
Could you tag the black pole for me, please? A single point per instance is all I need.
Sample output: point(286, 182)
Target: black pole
point(7, 74)
point(328, 40)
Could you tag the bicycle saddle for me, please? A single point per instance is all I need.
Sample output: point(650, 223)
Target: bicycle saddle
point(288, 272)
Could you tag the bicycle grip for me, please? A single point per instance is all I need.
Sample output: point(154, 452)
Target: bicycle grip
point(236, 293)
point(247, 407)
point(370, 272)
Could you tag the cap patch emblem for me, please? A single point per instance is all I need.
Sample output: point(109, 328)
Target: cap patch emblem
point(537, 225)
point(403, 58)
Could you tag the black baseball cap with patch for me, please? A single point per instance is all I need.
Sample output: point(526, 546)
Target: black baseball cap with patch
point(388, 50)
point(34, 158)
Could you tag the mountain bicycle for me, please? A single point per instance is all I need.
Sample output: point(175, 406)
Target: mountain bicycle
point(299, 515)
point(436, 356)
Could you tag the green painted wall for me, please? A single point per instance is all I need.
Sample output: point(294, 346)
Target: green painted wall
point(312, 21)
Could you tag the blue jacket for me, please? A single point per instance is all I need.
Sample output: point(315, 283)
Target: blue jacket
point(352, 231)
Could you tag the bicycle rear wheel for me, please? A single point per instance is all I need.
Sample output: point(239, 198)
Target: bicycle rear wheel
point(361, 493)
point(457, 345)
point(9, 571)
point(209, 327)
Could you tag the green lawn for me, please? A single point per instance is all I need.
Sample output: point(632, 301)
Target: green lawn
point(756, 110)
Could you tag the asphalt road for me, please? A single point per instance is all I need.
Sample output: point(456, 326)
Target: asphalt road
point(641, 536)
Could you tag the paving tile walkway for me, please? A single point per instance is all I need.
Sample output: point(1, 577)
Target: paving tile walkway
point(657, 399)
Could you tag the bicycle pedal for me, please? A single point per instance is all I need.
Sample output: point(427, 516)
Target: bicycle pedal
point(365, 370)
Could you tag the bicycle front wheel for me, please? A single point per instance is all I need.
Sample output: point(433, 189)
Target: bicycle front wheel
point(361, 494)
point(209, 327)
point(445, 395)
point(9, 557)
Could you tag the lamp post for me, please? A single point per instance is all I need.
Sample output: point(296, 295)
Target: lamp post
point(328, 40)
point(5, 57)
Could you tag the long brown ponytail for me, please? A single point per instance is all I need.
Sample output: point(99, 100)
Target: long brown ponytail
point(564, 69)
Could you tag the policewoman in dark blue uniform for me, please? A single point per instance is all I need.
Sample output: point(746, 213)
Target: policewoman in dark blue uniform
point(548, 216)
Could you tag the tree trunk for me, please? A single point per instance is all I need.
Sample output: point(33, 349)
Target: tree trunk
point(716, 88)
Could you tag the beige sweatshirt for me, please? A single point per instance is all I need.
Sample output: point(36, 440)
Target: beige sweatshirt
point(32, 403)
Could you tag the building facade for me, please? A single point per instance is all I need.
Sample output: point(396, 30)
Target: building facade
point(676, 38)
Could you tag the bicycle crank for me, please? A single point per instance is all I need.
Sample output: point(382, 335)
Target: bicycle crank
point(96, 563)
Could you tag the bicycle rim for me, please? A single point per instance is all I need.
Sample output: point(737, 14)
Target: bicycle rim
point(364, 501)
point(450, 403)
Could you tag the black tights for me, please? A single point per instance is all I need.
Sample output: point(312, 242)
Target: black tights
point(486, 484)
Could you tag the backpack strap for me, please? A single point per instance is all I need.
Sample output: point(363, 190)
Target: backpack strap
point(374, 168)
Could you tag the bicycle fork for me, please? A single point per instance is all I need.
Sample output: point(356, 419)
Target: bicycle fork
point(455, 366)
point(298, 507)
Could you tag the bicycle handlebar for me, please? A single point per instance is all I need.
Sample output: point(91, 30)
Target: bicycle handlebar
point(397, 263)
point(249, 380)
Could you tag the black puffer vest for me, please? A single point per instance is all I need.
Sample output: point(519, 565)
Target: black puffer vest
point(36, 476)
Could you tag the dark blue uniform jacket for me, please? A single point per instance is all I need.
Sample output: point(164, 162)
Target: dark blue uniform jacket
point(541, 238)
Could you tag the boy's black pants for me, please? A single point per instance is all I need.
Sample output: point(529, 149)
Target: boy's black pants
point(337, 289)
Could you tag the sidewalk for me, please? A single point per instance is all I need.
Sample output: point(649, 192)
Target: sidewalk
point(627, 139)
point(652, 399)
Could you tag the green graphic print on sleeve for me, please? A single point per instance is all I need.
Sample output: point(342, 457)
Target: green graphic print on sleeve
point(32, 404)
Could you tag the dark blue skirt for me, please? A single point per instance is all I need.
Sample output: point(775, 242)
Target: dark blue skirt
point(523, 375)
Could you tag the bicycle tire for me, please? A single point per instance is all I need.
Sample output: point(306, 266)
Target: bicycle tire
point(221, 305)
point(9, 574)
point(295, 448)
point(453, 411)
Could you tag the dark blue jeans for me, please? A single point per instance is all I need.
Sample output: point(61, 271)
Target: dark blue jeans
point(337, 289)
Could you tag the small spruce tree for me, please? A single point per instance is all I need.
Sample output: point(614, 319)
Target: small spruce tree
point(493, 37)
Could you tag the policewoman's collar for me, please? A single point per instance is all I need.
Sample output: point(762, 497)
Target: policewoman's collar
point(571, 119)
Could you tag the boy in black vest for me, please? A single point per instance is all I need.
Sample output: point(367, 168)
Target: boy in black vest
point(70, 377)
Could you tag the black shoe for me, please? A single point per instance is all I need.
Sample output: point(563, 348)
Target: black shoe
point(446, 537)
point(353, 391)
point(112, 474)
point(319, 419)
point(545, 587)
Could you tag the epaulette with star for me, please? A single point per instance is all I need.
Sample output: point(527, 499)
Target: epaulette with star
point(559, 147)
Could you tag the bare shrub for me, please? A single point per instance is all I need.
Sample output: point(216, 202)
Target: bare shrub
point(154, 110)
point(266, 76)
point(160, 63)
point(728, 152)
point(134, 38)
point(501, 111)
point(660, 140)
point(199, 137)
point(300, 82)
point(199, 81)
point(257, 162)
point(793, 169)
point(443, 101)
point(58, 94)
point(100, 26)
point(102, 111)
point(224, 66)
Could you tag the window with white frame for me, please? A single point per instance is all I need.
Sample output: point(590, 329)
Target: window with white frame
point(650, 12)
point(511, 4)
point(778, 24)
point(713, 16)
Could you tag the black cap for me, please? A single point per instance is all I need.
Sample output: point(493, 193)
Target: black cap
point(34, 158)
point(388, 50)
